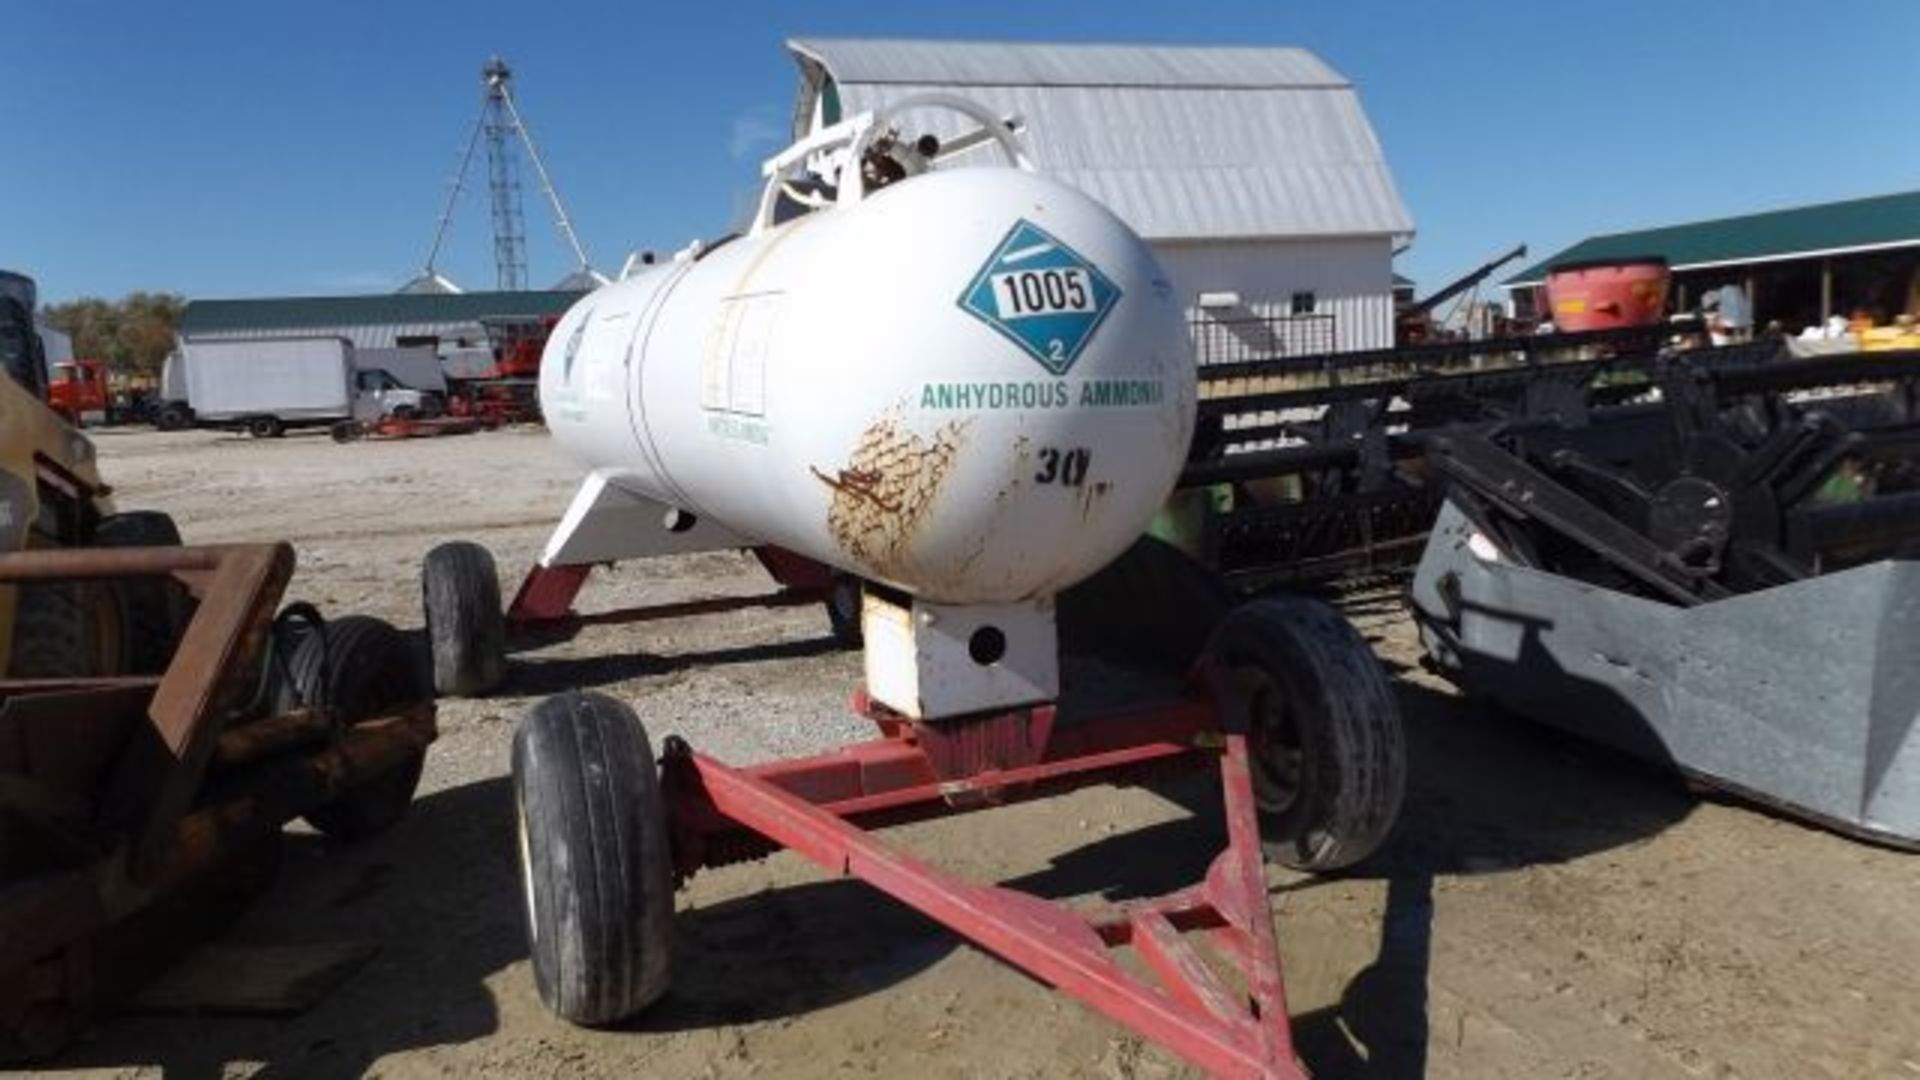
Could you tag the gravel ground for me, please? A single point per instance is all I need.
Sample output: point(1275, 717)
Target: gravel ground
point(1543, 909)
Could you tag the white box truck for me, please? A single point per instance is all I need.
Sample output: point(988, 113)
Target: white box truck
point(267, 385)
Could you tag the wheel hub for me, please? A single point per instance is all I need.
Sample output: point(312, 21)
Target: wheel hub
point(1278, 758)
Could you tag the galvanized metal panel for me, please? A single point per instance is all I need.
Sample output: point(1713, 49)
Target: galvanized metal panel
point(1192, 164)
point(1002, 63)
point(1182, 143)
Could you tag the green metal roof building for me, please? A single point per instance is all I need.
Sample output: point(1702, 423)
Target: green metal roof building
point(1798, 265)
point(380, 321)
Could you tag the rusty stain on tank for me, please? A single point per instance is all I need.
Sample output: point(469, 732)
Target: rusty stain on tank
point(1091, 494)
point(883, 494)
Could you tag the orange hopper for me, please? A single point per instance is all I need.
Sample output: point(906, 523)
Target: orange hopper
point(1604, 295)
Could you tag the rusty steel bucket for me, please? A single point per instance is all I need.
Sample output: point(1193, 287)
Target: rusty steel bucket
point(105, 807)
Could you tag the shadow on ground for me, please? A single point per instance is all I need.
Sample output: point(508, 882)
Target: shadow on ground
point(436, 895)
point(1486, 793)
point(440, 895)
point(540, 676)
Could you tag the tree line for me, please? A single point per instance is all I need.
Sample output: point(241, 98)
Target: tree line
point(133, 334)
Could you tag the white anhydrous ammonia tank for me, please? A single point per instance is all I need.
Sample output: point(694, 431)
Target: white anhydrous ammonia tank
point(973, 385)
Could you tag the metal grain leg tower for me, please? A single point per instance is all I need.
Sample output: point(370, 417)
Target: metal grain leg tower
point(500, 122)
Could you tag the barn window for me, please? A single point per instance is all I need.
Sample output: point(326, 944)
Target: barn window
point(1303, 303)
point(830, 103)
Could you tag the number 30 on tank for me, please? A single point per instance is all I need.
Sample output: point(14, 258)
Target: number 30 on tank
point(1068, 468)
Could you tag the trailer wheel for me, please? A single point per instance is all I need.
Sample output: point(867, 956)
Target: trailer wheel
point(265, 427)
point(594, 858)
point(173, 416)
point(1329, 756)
point(67, 630)
point(466, 626)
point(32, 1032)
point(843, 610)
point(358, 668)
point(157, 609)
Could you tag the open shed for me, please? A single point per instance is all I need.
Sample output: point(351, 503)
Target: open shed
point(1797, 266)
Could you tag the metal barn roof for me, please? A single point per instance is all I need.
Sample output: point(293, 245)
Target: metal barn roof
point(1836, 228)
point(992, 63)
point(1182, 142)
point(370, 321)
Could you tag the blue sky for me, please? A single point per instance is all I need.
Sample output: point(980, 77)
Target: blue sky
point(261, 148)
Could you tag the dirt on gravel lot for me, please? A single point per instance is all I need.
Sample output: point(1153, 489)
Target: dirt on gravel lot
point(1544, 909)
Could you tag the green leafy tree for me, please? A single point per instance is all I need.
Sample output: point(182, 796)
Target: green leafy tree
point(132, 334)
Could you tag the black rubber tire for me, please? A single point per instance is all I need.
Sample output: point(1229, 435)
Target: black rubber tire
point(1329, 755)
point(466, 625)
point(157, 610)
point(345, 431)
point(265, 427)
point(843, 611)
point(1154, 607)
point(173, 416)
point(358, 668)
point(67, 630)
point(30, 1034)
point(403, 412)
point(595, 866)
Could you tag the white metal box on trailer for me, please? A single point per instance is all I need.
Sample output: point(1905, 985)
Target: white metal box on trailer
point(173, 378)
point(291, 378)
point(418, 366)
point(468, 362)
point(55, 344)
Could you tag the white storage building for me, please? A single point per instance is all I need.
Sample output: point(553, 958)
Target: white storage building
point(1253, 171)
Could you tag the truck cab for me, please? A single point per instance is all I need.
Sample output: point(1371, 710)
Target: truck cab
point(78, 391)
point(377, 394)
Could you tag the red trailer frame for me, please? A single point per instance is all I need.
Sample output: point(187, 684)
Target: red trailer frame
point(824, 808)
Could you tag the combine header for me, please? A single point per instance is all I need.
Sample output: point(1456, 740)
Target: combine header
point(1722, 581)
point(1698, 555)
point(1311, 468)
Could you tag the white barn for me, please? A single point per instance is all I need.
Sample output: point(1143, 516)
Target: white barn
point(1252, 171)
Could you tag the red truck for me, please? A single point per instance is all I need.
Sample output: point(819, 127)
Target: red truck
point(78, 391)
